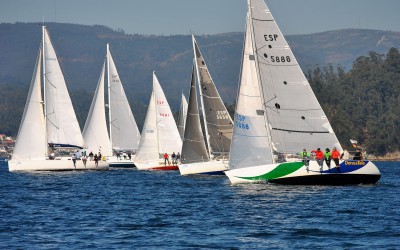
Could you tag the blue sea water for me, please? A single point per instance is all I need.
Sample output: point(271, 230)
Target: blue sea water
point(131, 209)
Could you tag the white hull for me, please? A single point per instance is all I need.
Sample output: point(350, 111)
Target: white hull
point(54, 165)
point(113, 161)
point(295, 173)
point(208, 167)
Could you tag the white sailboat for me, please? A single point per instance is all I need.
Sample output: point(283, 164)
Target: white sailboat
point(159, 134)
point(124, 133)
point(95, 131)
point(182, 116)
point(277, 115)
point(50, 125)
point(217, 125)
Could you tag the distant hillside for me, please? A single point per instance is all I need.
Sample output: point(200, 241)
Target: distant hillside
point(81, 50)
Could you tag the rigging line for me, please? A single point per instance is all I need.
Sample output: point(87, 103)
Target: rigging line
point(299, 131)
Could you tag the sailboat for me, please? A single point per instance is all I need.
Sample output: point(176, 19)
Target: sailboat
point(48, 125)
point(159, 134)
point(217, 125)
point(277, 115)
point(182, 116)
point(124, 133)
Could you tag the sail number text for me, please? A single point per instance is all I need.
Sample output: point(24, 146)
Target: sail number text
point(271, 37)
point(241, 122)
point(281, 59)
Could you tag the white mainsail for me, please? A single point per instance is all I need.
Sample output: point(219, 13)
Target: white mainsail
point(273, 88)
point(182, 116)
point(160, 134)
point(31, 142)
point(61, 123)
point(124, 133)
point(95, 131)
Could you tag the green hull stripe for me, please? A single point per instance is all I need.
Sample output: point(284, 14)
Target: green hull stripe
point(280, 170)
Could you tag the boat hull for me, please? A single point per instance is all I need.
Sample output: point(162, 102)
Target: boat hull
point(208, 167)
point(114, 162)
point(352, 172)
point(54, 165)
point(155, 165)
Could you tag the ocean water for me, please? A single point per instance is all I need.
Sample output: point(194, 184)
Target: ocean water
point(131, 209)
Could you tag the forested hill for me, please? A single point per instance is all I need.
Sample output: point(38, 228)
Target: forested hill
point(81, 50)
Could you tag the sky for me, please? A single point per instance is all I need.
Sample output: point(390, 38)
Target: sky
point(170, 17)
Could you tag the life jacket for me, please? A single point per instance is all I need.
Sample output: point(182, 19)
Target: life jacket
point(319, 155)
point(335, 154)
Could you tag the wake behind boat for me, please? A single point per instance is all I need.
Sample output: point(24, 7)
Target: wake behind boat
point(48, 126)
point(277, 115)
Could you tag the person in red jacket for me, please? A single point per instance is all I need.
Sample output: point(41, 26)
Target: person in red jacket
point(319, 155)
point(166, 159)
point(335, 155)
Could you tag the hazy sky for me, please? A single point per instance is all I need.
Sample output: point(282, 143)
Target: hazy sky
point(206, 16)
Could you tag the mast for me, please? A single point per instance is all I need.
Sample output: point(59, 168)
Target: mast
point(44, 83)
point(201, 97)
point(109, 92)
point(267, 127)
point(155, 113)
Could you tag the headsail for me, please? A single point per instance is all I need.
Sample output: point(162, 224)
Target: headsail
point(250, 141)
point(182, 116)
point(218, 122)
point(148, 146)
point(31, 141)
point(62, 125)
point(295, 117)
point(169, 140)
point(95, 131)
point(193, 148)
point(124, 132)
